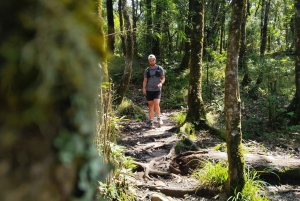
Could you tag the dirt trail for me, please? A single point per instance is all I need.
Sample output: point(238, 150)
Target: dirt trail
point(153, 150)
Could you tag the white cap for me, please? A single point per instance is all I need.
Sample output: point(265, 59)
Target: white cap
point(151, 56)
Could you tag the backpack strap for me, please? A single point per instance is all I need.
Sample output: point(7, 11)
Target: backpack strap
point(157, 73)
point(148, 73)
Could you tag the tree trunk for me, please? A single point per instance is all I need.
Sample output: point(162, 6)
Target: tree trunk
point(149, 39)
point(104, 67)
point(134, 26)
point(243, 52)
point(185, 63)
point(48, 87)
point(264, 25)
point(128, 59)
point(215, 13)
point(157, 30)
point(196, 110)
point(236, 161)
point(294, 106)
point(122, 27)
point(111, 26)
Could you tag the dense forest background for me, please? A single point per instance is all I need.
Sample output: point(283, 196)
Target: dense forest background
point(266, 61)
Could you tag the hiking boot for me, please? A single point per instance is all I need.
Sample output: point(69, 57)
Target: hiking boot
point(160, 122)
point(151, 125)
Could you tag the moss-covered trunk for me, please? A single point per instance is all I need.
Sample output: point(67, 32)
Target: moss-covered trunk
point(236, 161)
point(49, 54)
point(295, 103)
point(128, 59)
point(196, 110)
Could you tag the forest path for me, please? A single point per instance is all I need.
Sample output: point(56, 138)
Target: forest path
point(153, 150)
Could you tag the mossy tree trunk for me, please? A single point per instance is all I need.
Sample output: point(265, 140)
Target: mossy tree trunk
point(294, 107)
point(128, 59)
point(196, 110)
point(49, 54)
point(236, 161)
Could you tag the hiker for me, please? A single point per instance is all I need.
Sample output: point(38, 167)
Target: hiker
point(154, 78)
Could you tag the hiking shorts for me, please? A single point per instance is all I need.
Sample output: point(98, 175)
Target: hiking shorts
point(151, 95)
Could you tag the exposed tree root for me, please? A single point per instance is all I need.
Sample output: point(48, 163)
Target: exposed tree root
point(181, 192)
point(148, 169)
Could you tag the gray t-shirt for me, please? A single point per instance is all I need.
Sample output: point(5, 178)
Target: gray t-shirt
point(154, 80)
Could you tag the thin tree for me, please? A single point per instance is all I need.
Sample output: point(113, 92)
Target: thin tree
point(185, 62)
point(236, 161)
point(196, 110)
point(157, 27)
point(103, 62)
point(294, 107)
point(243, 51)
point(111, 26)
point(263, 43)
point(128, 58)
point(122, 35)
point(149, 31)
point(215, 13)
point(134, 26)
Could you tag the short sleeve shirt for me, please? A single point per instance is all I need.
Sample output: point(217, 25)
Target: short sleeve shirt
point(154, 80)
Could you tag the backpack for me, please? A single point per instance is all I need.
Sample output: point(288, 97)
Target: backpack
point(157, 73)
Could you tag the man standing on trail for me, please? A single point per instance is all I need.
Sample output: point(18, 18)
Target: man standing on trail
point(154, 77)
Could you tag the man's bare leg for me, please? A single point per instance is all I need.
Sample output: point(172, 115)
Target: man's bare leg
point(157, 111)
point(151, 113)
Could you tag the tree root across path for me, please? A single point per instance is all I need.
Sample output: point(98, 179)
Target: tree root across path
point(181, 191)
point(148, 169)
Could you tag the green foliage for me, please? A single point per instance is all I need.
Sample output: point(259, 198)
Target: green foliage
point(117, 187)
point(213, 77)
point(179, 146)
point(179, 118)
point(129, 109)
point(188, 129)
point(251, 190)
point(212, 174)
point(221, 147)
point(175, 89)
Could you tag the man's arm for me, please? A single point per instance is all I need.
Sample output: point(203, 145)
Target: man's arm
point(144, 85)
point(162, 80)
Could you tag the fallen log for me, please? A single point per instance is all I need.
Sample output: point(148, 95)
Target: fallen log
point(273, 168)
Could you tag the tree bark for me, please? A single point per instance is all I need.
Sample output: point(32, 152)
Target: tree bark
point(243, 51)
point(196, 110)
point(294, 106)
point(48, 87)
point(122, 27)
point(111, 26)
point(236, 161)
point(128, 59)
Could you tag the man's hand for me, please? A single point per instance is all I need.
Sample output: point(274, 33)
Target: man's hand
point(159, 85)
point(144, 91)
